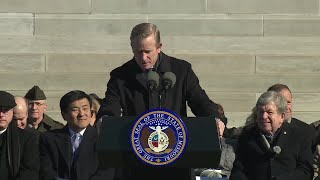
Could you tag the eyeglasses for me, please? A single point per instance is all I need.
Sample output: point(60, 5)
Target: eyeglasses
point(36, 104)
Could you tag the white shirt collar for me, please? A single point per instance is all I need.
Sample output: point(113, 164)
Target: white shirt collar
point(3, 131)
point(72, 133)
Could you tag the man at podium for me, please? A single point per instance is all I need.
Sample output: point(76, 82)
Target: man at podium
point(152, 79)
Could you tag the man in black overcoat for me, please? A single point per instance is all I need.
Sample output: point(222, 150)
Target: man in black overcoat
point(272, 149)
point(19, 155)
point(128, 95)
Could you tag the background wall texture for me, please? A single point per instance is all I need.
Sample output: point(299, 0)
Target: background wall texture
point(238, 48)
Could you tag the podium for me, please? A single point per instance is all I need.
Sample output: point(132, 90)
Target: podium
point(114, 149)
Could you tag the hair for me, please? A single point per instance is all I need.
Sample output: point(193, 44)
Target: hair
point(95, 96)
point(25, 100)
point(144, 30)
point(251, 118)
point(278, 87)
point(72, 96)
point(95, 103)
point(220, 109)
point(273, 97)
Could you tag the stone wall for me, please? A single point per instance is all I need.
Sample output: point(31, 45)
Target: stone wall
point(238, 48)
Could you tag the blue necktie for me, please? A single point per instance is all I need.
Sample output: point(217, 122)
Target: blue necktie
point(76, 139)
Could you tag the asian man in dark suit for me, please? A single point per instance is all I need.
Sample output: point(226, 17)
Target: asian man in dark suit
point(69, 153)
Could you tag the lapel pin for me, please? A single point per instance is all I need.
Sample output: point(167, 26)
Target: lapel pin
point(284, 132)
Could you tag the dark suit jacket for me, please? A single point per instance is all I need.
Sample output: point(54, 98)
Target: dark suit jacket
point(306, 129)
point(255, 162)
point(23, 153)
point(56, 155)
point(127, 91)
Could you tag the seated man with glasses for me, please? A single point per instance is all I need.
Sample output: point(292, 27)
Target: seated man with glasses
point(37, 107)
point(19, 153)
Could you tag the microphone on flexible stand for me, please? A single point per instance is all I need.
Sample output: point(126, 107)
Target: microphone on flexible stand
point(168, 81)
point(152, 83)
point(274, 150)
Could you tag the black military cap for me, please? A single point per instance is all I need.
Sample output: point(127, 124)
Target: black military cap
point(35, 93)
point(7, 100)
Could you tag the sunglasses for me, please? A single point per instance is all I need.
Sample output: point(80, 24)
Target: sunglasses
point(5, 109)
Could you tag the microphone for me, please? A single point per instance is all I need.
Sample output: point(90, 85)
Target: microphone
point(211, 173)
point(168, 80)
point(276, 149)
point(152, 80)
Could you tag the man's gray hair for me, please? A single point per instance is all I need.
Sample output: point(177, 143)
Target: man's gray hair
point(144, 30)
point(273, 97)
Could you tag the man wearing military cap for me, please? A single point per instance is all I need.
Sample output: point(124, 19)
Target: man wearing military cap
point(19, 153)
point(37, 108)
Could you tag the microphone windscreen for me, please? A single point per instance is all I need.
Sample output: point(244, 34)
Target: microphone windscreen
point(169, 76)
point(153, 77)
point(210, 173)
point(276, 149)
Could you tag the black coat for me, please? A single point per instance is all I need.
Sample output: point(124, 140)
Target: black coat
point(128, 95)
point(255, 162)
point(305, 129)
point(23, 153)
point(56, 155)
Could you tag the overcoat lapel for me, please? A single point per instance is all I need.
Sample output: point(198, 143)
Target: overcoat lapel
point(86, 151)
point(283, 138)
point(261, 146)
point(86, 142)
point(141, 78)
point(64, 145)
point(164, 65)
point(13, 145)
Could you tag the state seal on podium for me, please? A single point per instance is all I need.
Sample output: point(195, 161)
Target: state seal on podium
point(159, 137)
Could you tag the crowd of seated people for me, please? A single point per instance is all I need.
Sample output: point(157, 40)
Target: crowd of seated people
point(271, 145)
point(59, 158)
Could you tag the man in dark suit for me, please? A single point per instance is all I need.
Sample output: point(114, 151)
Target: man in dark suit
point(272, 149)
point(19, 155)
point(37, 106)
point(69, 153)
point(301, 126)
point(127, 93)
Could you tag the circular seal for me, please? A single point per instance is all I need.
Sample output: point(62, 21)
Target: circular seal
point(159, 137)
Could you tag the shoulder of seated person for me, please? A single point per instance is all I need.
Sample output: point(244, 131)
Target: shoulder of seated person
point(315, 124)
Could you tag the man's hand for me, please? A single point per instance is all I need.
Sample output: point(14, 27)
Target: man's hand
point(220, 127)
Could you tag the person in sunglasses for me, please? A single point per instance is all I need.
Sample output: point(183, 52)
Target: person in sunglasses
point(19, 154)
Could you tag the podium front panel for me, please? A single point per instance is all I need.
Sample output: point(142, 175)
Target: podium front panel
point(203, 148)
